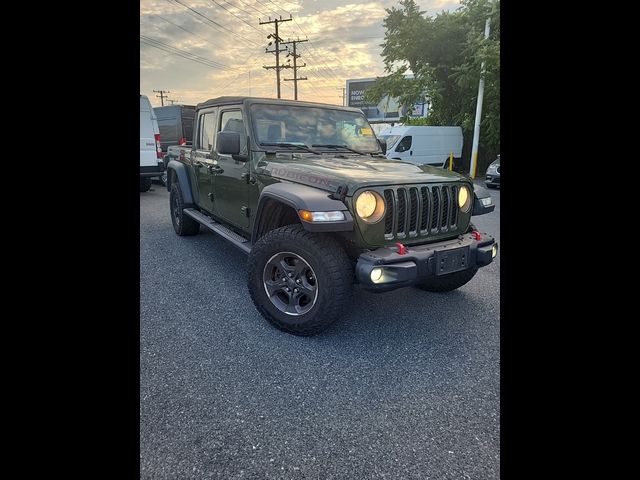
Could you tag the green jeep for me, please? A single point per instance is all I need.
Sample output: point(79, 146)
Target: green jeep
point(306, 191)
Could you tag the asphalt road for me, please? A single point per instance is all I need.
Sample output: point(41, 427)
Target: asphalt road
point(405, 386)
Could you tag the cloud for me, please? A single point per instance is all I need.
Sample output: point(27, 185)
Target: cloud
point(343, 44)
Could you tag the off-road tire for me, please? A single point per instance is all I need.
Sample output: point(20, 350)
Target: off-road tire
point(449, 282)
point(145, 184)
point(182, 223)
point(331, 267)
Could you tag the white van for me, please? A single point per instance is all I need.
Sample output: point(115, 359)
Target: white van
point(151, 164)
point(423, 145)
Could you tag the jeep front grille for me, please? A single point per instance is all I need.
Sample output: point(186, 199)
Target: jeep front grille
point(420, 211)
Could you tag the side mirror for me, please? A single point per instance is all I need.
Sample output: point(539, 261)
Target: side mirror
point(482, 201)
point(383, 146)
point(228, 143)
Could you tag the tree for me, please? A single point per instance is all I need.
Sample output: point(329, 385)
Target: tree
point(445, 53)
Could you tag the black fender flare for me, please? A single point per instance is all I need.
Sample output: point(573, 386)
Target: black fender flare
point(303, 197)
point(479, 208)
point(183, 179)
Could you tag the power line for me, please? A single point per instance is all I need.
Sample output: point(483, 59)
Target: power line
point(213, 22)
point(180, 53)
point(250, 6)
point(241, 19)
point(198, 57)
point(182, 28)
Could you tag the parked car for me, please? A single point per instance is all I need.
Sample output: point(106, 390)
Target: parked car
point(305, 191)
point(424, 145)
point(492, 178)
point(151, 164)
point(176, 128)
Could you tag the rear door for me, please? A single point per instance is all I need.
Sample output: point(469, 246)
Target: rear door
point(231, 188)
point(148, 130)
point(201, 158)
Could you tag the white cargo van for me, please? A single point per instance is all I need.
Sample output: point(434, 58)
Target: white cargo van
point(151, 164)
point(423, 145)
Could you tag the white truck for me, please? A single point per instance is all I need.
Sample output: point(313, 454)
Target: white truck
point(423, 145)
point(151, 163)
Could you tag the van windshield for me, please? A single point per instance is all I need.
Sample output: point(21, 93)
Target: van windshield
point(313, 126)
point(391, 140)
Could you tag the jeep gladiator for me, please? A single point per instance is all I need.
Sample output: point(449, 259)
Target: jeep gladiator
point(305, 190)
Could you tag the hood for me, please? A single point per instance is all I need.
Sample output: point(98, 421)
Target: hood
point(328, 171)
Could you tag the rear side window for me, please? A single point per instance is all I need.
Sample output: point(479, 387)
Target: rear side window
point(405, 144)
point(207, 139)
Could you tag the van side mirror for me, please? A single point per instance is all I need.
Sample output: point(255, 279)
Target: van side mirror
point(383, 146)
point(228, 143)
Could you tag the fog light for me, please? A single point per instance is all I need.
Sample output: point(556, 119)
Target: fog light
point(376, 275)
point(494, 251)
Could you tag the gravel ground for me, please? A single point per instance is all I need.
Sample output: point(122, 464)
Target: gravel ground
point(406, 385)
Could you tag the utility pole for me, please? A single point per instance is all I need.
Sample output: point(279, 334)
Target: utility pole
point(277, 50)
point(295, 66)
point(162, 95)
point(344, 94)
point(476, 129)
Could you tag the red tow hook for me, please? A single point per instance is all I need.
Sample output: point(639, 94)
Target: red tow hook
point(402, 250)
point(476, 235)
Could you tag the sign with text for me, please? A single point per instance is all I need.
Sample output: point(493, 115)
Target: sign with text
point(386, 110)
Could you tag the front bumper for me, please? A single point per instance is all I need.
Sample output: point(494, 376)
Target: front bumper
point(493, 180)
point(423, 261)
point(152, 171)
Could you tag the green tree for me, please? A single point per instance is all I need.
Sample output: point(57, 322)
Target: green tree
point(445, 53)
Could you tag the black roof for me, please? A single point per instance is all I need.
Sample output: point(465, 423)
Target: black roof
point(236, 100)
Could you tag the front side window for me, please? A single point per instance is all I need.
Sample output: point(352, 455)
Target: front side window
point(231, 121)
point(312, 126)
point(405, 144)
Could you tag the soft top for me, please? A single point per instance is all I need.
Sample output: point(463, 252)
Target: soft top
point(236, 100)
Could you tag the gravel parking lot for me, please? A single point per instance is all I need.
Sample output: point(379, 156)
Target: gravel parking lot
point(406, 385)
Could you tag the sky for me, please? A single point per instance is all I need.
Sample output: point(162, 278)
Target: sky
point(224, 46)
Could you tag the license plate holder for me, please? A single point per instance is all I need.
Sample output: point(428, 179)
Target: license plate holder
point(454, 260)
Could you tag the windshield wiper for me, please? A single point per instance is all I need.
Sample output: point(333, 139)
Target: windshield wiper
point(287, 144)
point(328, 145)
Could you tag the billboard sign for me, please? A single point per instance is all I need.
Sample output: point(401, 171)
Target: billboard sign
point(386, 110)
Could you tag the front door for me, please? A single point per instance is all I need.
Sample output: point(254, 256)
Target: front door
point(202, 160)
point(231, 187)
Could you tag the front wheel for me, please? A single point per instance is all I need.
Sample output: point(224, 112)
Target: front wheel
point(298, 280)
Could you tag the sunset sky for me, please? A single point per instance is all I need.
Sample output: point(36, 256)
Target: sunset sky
point(225, 46)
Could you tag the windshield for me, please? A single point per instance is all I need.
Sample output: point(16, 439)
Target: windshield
point(390, 139)
point(313, 126)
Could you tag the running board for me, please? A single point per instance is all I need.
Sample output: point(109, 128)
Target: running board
point(226, 233)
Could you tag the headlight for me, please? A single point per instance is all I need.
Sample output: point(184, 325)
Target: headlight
point(464, 199)
point(370, 206)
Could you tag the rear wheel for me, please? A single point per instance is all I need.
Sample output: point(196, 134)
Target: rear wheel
point(182, 223)
point(298, 280)
point(145, 184)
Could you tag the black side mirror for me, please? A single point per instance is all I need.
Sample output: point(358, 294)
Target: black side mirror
point(383, 146)
point(228, 143)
